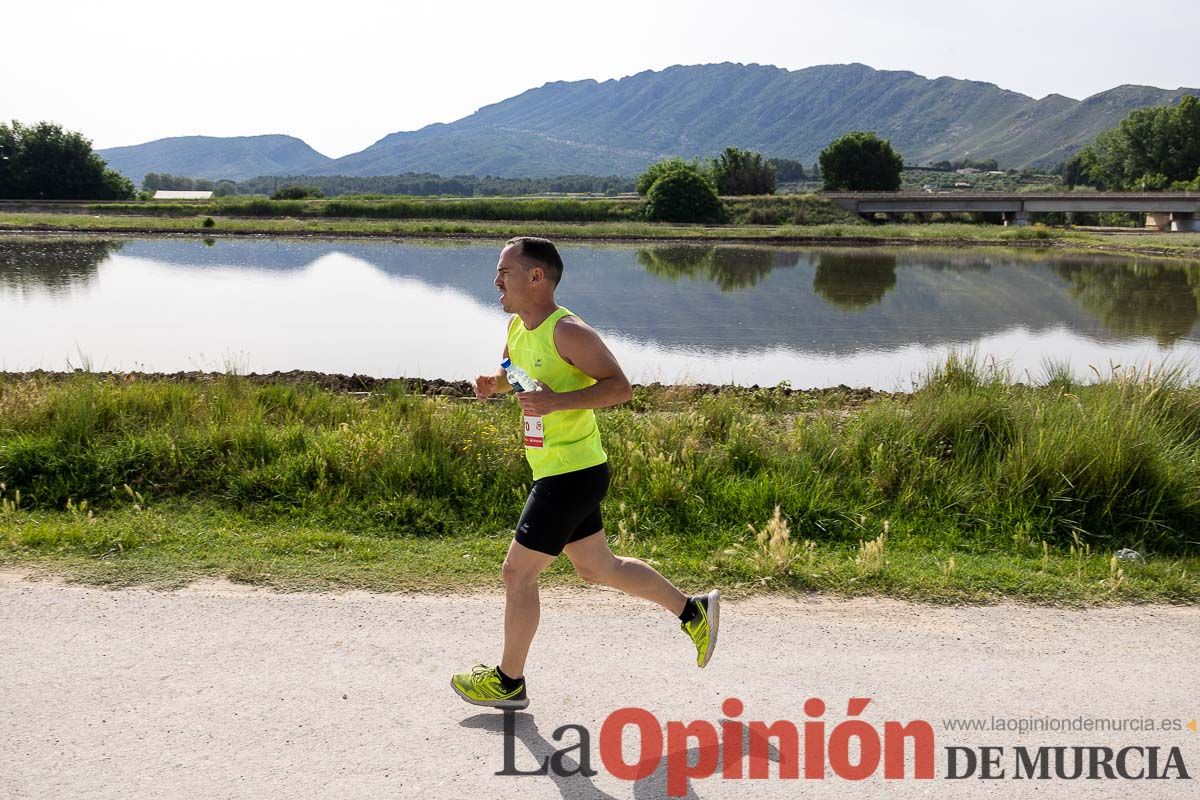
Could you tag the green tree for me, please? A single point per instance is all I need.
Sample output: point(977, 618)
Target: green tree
point(1081, 170)
point(296, 192)
point(683, 196)
point(739, 172)
point(8, 151)
point(861, 161)
point(1152, 148)
point(676, 164)
point(179, 183)
point(46, 162)
point(1194, 186)
point(787, 170)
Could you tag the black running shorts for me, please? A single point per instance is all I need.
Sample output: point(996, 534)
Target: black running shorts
point(562, 509)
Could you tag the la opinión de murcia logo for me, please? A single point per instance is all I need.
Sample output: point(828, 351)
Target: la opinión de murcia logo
point(853, 749)
point(738, 749)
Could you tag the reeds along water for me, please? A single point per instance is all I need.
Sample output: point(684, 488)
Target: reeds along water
point(482, 209)
point(765, 210)
point(972, 458)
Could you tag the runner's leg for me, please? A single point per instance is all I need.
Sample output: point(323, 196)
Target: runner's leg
point(522, 606)
point(596, 563)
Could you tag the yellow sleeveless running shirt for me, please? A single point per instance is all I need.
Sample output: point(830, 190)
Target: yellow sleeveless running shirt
point(562, 441)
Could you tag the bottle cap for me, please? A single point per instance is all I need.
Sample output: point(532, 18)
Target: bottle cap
point(505, 364)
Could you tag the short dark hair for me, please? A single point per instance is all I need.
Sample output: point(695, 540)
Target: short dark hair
point(541, 252)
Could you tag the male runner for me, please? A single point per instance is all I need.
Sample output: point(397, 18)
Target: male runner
point(570, 470)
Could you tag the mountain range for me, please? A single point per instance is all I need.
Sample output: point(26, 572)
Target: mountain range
point(617, 127)
point(217, 157)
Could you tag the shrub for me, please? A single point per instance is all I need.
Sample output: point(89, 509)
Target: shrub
point(656, 171)
point(683, 196)
point(296, 192)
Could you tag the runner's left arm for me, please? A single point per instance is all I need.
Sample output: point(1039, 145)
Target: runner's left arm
point(583, 348)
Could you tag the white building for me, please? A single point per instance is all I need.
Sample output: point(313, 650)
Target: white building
point(164, 194)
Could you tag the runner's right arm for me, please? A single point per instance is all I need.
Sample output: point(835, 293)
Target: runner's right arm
point(496, 383)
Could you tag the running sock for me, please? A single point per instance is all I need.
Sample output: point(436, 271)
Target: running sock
point(508, 683)
point(690, 611)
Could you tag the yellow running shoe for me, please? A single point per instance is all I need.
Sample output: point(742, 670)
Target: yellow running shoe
point(702, 630)
point(482, 687)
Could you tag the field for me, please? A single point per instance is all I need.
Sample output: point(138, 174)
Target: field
point(973, 488)
point(782, 219)
point(765, 210)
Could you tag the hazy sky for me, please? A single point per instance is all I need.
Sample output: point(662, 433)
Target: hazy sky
point(342, 75)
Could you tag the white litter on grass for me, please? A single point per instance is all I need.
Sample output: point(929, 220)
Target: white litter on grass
point(1125, 554)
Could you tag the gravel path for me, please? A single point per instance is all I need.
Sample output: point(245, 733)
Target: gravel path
point(219, 691)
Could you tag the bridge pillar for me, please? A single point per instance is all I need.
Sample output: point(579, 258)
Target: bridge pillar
point(1158, 221)
point(1018, 218)
point(1184, 221)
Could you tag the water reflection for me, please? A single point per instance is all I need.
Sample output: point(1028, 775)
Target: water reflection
point(730, 268)
point(866, 316)
point(1138, 298)
point(853, 281)
point(51, 265)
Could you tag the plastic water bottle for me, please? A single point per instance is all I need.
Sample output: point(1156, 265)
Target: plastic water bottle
point(518, 378)
point(1125, 554)
point(520, 381)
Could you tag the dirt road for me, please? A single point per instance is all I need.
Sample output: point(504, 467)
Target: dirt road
point(218, 691)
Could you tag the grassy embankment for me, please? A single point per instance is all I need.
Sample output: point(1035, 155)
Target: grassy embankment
point(784, 218)
point(775, 209)
point(971, 489)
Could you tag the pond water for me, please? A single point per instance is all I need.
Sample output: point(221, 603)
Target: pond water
point(813, 317)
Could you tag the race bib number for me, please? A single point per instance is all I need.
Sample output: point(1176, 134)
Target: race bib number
point(533, 432)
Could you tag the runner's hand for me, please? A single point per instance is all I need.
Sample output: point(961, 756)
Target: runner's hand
point(485, 386)
point(537, 404)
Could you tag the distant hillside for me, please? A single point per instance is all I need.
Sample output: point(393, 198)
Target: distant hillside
point(618, 126)
point(1053, 128)
point(235, 158)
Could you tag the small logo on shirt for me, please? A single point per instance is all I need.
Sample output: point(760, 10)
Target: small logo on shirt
point(537, 362)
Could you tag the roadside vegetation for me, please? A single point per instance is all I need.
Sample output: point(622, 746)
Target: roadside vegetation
point(973, 488)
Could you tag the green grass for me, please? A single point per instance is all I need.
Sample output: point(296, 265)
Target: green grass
point(492, 208)
point(173, 543)
point(428, 227)
point(765, 210)
point(972, 488)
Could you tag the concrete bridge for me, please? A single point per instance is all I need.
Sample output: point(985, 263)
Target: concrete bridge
point(1165, 211)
